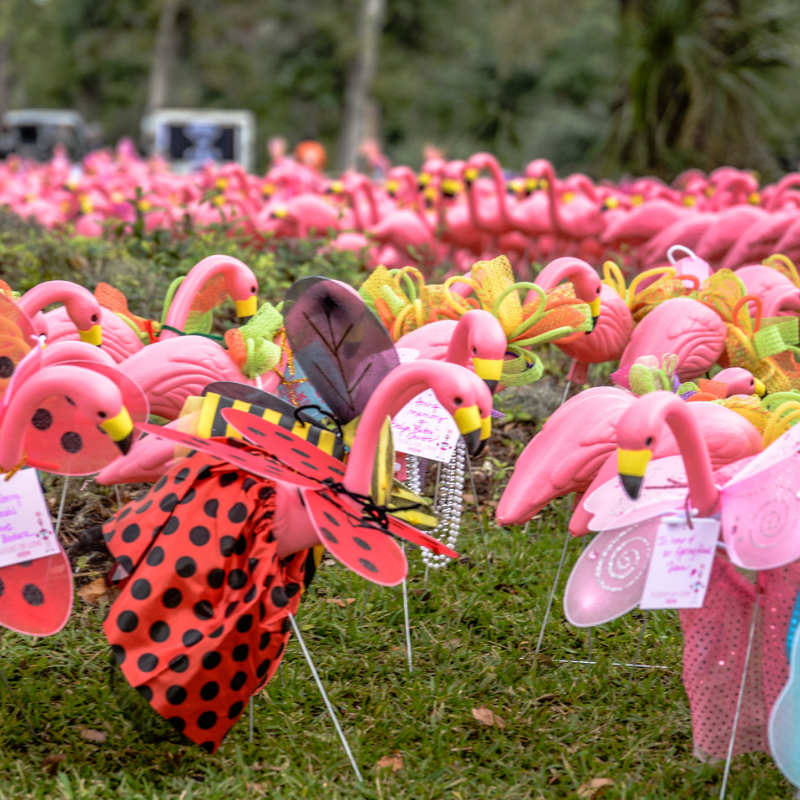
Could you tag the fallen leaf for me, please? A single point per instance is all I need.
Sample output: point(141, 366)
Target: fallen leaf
point(487, 717)
point(341, 603)
point(593, 787)
point(394, 761)
point(94, 736)
point(468, 498)
point(257, 787)
point(95, 591)
point(50, 763)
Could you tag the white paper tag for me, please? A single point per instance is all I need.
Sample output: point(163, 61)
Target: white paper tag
point(26, 530)
point(425, 428)
point(680, 566)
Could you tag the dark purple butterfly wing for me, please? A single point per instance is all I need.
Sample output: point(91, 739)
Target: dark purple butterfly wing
point(343, 348)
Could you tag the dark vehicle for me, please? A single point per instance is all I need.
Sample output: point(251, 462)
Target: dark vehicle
point(34, 133)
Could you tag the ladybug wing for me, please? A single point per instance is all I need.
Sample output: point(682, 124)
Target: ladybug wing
point(286, 446)
point(265, 467)
point(403, 530)
point(360, 545)
point(36, 596)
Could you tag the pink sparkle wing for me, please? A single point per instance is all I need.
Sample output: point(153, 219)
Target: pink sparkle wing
point(608, 579)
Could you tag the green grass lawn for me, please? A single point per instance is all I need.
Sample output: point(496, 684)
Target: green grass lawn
point(474, 636)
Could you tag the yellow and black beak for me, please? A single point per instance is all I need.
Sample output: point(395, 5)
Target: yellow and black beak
point(93, 336)
point(120, 430)
point(594, 307)
point(489, 370)
point(246, 309)
point(470, 175)
point(473, 428)
point(391, 187)
point(758, 387)
point(632, 465)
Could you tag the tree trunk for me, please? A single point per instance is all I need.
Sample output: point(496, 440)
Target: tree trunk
point(163, 55)
point(359, 81)
point(6, 28)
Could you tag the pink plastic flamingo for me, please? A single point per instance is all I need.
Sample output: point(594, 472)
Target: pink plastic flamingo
point(80, 305)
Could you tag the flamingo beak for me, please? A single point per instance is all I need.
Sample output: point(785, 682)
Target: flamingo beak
point(594, 307)
point(632, 465)
point(470, 175)
point(93, 336)
point(473, 428)
point(489, 370)
point(246, 309)
point(120, 430)
point(759, 388)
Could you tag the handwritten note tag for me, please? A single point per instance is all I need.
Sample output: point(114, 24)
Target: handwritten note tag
point(424, 428)
point(26, 531)
point(681, 563)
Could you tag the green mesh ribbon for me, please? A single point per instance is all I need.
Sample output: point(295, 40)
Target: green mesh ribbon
point(776, 335)
point(257, 335)
point(522, 370)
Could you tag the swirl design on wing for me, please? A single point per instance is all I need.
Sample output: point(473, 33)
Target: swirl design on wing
point(775, 519)
point(624, 561)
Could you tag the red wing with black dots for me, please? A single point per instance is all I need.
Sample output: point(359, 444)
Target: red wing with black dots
point(36, 596)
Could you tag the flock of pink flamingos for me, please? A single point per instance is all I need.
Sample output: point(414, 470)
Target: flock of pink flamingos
point(456, 211)
point(722, 445)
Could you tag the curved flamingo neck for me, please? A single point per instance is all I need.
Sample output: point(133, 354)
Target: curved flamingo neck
point(561, 269)
point(458, 351)
point(554, 208)
point(367, 187)
point(192, 284)
point(399, 387)
point(499, 187)
point(41, 296)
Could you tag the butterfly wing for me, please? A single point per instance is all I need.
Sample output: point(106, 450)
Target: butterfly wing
point(36, 597)
point(342, 346)
point(761, 516)
point(608, 579)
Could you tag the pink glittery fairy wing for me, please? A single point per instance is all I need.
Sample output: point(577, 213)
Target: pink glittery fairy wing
point(608, 579)
point(761, 516)
point(36, 596)
point(664, 489)
point(17, 336)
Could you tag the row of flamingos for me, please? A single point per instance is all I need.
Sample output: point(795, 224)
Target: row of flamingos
point(72, 405)
point(449, 213)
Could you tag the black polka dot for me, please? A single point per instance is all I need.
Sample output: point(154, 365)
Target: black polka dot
point(6, 367)
point(159, 631)
point(216, 578)
point(210, 508)
point(231, 608)
point(69, 400)
point(228, 478)
point(331, 519)
point(146, 692)
point(328, 535)
point(235, 710)
point(248, 484)
point(252, 563)
point(204, 473)
point(141, 589)
point(241, 545)
point(262, 610)
point(199, 535)
point(238, 513)
point(251, 593)
point(209, 691)
point(292, 589)
point(173, 523)
point(147, 662)
point(191, 637)
point(188, 497)
point(211, 660)
point(42, 419)
point(286, 625)
point(176, 695)
point(119, 653)
point(162, 482)
point(2, 587)
point(265, 492)
point(208, 746)
point(181, 475)
point(226, 545)
point(368, 565)
point(362, 544)
point(263, 667)
point(124, 513)
point(172, 598)
point(168, 502)
point(263, 642)
point(244, 623)
point(72, 442)
point(238, 681)
point(203, 610)
point(240, 652)
point(179, 663)
point(216, 633)
point(127, 621)
point(237, 578)
point(208, 719)
point(185, 566)
point(279, 597)
point(32, 594)
point(155, 556)
point(145, 507)
point(177, 723)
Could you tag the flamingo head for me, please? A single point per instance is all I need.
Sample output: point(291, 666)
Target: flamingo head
point(740, 381)
point(486, 344)
point(587, 285)
point(243, 288)
point(100, 400)
point(84, 311)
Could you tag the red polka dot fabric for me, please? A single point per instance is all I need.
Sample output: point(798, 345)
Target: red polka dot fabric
point(202, 621)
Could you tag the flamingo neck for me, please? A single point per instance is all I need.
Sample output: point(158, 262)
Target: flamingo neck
point(553, 205)
point(41, 296)
point(399, 387)
point(559, 270)
point(499, 188)
point(702, 490)
point(458, 351)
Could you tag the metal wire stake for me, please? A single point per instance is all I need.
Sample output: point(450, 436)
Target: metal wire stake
point(17, 703)
point(739, 700)
point(328, 705)
point(553, 590)
point(280, 671)
point(61, 504)
point(407, 619)
point(119, 499)
point(566, 392)
point(251, 720)
point(478, 512)
point(638, 648)
point(364, 604)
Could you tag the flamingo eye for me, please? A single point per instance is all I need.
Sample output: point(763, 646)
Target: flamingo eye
point(252, 290)
point(102, 414)
point(474, 351)
point(457, 401)
point(597, 291)
point(94, 317)
point(648, 441)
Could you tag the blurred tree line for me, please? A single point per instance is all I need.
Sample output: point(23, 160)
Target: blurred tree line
point(602, 86)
